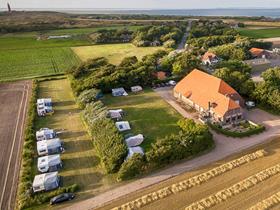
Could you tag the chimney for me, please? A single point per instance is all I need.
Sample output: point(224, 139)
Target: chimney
point(9, 8)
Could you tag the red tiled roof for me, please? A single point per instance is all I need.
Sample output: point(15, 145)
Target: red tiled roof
point(202, 88)
point(256, 51)
point(208, 56)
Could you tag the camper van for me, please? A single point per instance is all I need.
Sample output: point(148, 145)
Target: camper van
point(49, 147)
point(45, 134)
point(49, 163)
point(46, 182)
point(44, 106)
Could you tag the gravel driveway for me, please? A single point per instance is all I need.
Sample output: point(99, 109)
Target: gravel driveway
point(225, 146)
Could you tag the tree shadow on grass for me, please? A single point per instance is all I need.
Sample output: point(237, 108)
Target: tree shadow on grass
point(63, 103)
point(66, 111)
point(78, 146)
point(72, 134)
point(80, 163)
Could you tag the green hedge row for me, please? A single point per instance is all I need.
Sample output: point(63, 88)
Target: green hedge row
point(257, 130)
point(107, 140)
point(190, 141)
point(25, 197)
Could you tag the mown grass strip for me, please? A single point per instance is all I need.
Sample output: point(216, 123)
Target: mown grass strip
point(235, 189)
point(191, 182)
point(267, 203)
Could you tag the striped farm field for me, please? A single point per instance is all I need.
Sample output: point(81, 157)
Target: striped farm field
point(249, 180)
point(25, 63)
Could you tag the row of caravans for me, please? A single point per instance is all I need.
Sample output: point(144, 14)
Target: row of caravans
point(49, 147)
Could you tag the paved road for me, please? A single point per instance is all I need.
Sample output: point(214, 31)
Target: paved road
point(224, 147)
point(13, 108)
point(182, 44)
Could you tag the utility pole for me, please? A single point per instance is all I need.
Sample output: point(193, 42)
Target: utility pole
point(9, 8)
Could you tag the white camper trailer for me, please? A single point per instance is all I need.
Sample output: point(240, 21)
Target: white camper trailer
point(123, 126)
point(134, 150)
point(119, 92)
point(116, 114)
point(136, 89)
point(44, 106)
point(49, 147)
point(134, 141)
point(49, 163)
point(46, 182)
point(45, 134)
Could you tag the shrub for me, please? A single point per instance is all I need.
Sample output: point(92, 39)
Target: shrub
point(88, 96)
point(107, 140)
point(258, 129)
point(132, 167)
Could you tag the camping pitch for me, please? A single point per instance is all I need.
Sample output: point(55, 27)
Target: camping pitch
point(49, 163)
point(46, 182)
point(119, 92)
point(134, 140)
point(45, 134)
point(123, 126)
point(134, 150)
point(48, 147)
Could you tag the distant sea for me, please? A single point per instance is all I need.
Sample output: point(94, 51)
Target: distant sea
point(273, 13)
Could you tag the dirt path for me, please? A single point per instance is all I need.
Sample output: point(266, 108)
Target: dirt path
point(224, 147)
point(13, 102)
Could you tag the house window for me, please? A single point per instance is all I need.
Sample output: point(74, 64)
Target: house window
point(239, 117)
point(233, 118)
point(227, 120)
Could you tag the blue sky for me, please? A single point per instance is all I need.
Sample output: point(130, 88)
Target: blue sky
point(142, 4)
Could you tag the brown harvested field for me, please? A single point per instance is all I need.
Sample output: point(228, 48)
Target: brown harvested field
point(242, 200)
point(13, 107)
point(275, 41)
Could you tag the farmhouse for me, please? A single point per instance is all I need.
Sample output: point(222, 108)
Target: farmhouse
point(211, 96)
point(209, 58)
point(259, 53)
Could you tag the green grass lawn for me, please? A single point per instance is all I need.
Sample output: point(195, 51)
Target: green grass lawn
point(80, 164)
point(147, 114)
point(260, 33)
point(114, 52)
point(18, 64)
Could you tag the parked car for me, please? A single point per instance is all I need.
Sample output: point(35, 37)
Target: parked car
point(62, 197)
point(172, 83)
point(250, 104)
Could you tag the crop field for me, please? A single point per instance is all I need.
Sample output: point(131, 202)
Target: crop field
point(114, 52)
point(260, 33)
point(80, 164)
point(147, 114)
point(249, 180)
point(16, 64)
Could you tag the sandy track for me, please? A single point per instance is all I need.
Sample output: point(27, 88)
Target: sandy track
point(13, 102)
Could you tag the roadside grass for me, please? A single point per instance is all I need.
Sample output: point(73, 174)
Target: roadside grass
point(114, 52)
point(15, 64)
point(260, 33)
point(147, 114)
point(80, 164)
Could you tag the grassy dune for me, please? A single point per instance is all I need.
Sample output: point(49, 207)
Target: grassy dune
point(114, 52)
point(260, 33)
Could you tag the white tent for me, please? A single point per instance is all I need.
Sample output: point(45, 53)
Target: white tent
point(134, 140)
point(49, 163)
point(116, 114)
point(46, 182)
point(136, 89)
point(119, 92)
point(134, 150)
point(48, 147)
point(45, 134)
point(123, 126)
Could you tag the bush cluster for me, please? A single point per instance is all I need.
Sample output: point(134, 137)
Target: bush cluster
point(253, 131)
point(107, 140)
point(190, 141)
point(88, 96)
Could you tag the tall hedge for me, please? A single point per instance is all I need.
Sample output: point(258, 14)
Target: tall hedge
point(107, 140)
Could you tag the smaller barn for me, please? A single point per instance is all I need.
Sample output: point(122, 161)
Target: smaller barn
point(259, 53)
point(119, 92)
point(209, 59)
point(49, 163)
point(45, 134)
point(46, 182)
point(134, 141)
point(49, 147)
point(134, 150)
point(123, 126)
